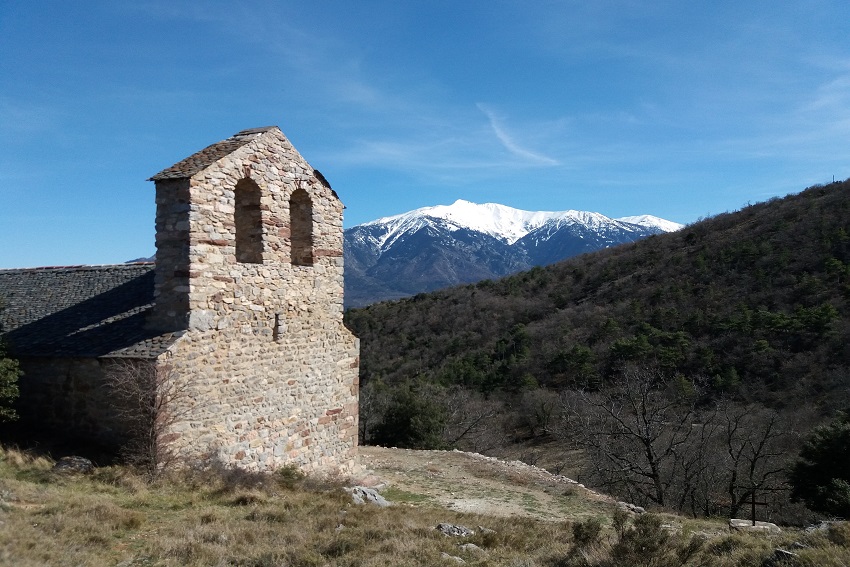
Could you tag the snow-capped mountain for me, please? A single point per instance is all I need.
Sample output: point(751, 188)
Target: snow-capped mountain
point(465, 242)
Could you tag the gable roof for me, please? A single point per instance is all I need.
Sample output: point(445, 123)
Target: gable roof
point(201, 160)
point(80, 311)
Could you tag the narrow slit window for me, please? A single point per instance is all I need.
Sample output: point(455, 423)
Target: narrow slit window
point(279, 327)
point(301, 226)
point(249, 223)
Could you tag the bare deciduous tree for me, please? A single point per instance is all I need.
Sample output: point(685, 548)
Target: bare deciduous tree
point(373, 400)
point(149, 400)
point(633, 432)
point(645, 439)
point(473, 422)
point(756, 447)
point(537, 410)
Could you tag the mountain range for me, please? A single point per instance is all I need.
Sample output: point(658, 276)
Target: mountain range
point(755, 302)
point(436, 247)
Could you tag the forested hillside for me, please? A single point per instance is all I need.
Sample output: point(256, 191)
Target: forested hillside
point(754, 303)
point(684, 371)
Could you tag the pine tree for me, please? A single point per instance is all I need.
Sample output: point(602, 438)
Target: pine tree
point(821, 478)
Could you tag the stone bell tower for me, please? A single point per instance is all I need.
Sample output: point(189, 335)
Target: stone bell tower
point(249, 266)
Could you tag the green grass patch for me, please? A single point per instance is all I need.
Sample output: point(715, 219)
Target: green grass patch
point(398, 495)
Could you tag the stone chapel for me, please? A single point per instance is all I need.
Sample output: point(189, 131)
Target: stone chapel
point(243, 306)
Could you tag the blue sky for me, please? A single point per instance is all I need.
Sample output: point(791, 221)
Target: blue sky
point(672, 108)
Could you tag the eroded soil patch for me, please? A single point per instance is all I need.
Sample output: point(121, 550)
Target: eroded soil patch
point(468, 482)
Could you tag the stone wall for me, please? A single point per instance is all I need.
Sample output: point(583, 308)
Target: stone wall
point(258, 402)
point(271, 367)
point(69, 401)
point(171, 309)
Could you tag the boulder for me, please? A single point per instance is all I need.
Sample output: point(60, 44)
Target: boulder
point(739, 525)
point(455, 531)
point(629, 507)
point(73, 464)
point(363, 494)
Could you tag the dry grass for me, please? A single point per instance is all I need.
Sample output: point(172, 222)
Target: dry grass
point(222, 518)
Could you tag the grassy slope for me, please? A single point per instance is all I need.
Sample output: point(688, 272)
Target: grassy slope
point(215, 519)
point(756, 301)
point(114, 518)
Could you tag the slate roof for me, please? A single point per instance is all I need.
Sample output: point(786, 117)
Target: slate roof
point(201, 160)
point(80, 311)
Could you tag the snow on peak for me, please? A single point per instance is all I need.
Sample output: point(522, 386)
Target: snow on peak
point(496, 220)
point(490, 218)
point(499, 221)
point(650, 221)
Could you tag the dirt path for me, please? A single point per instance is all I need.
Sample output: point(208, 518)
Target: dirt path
point(468, 482)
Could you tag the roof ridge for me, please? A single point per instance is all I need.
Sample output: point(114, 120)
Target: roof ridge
point(78, 267)
point(248, 131)
point(204, 158)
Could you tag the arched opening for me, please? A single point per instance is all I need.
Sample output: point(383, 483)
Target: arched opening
point(249, 223)
point(301, 226)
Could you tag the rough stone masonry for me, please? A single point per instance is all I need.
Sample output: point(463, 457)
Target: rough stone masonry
point(242, 310)
point(249, 263)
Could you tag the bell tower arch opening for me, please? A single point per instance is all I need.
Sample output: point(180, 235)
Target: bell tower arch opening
point(301, 226)
point(249, 222)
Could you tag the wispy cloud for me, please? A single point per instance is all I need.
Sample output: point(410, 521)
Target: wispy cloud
point(22, 117)
point(380, 117)
point(831, 97)
point(817, 121)
point(510, 144)
point(425, 157)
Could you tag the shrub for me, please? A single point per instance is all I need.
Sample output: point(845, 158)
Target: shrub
point(587, 533)
point(413, 420)
point(289, 476)
point(643, 544)
point(839, 534)
point(619, 522)
point(10, 371)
